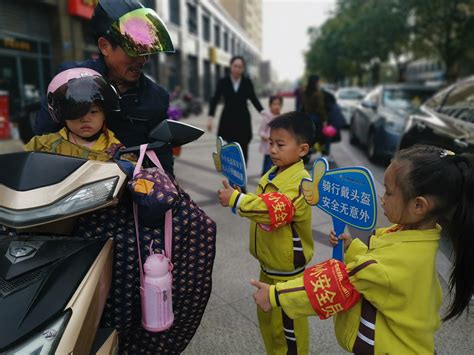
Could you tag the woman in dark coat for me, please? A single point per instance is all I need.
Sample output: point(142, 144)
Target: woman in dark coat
point(313, 106)
point(235, 123)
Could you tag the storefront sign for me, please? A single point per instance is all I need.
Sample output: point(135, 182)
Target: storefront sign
point(82, 8)
point(346, 194)
point(18, 44)
point(217, 56)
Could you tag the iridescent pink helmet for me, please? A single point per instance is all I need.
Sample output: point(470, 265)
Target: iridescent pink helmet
point(72, 92)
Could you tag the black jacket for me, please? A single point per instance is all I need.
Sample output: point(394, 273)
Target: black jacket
point(235, 123)
point(141, 109)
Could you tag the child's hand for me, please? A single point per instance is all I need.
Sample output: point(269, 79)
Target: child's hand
point(262, 296)
point(345, 237)
point(225, 193)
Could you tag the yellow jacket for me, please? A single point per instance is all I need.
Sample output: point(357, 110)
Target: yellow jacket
point(283, 252)
point(397, 275)
point(58, 143)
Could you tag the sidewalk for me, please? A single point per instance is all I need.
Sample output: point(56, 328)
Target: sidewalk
point(10, 145)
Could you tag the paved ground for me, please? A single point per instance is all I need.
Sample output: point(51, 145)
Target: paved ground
point(229, 325)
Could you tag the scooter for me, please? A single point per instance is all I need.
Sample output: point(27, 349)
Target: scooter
point(54, 284)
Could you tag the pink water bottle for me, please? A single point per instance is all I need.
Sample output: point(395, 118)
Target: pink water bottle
point(157, 305)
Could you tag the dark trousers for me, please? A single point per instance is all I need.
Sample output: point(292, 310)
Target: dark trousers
point(245, 150)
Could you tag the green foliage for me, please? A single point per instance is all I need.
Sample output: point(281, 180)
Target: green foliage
point(445, 29)
point(362, 34)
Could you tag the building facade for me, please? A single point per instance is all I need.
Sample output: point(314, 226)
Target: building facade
point(205, 37)
point(37, 35)
point(248, 14)
point(26, 50)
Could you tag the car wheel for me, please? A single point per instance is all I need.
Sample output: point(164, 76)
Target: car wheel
point(372, 152)
point(352, 135)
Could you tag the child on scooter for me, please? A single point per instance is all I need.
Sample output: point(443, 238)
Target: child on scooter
point(80, 98)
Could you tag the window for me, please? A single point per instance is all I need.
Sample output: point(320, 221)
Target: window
point(373, 97)
point(436, 100)
point(192, 18)
point(217, 36)
point(226, 42)
point(459, 103)
point(206, 28)
point(405, 99)
point(350, 94)
point(193, 74)
point(232, 45)
point(174, 12)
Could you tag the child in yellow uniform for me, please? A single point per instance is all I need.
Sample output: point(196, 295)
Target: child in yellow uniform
point(280, 230)
point(398, 313)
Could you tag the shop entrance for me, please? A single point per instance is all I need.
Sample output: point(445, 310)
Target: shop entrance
point(9, 82)
point(25, 70)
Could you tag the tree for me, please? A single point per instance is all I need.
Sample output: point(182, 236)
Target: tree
point(444, 28)
point(362, 34)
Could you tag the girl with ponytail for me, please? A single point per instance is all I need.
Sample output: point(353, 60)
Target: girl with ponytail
point(448, 179)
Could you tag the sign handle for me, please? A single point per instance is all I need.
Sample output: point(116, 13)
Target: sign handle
point(338, 250)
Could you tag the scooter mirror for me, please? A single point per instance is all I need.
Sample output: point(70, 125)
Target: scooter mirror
point(175, 133)
point(136, 149)
point(171, 133)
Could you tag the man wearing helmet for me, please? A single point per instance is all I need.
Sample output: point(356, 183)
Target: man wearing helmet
point(127, 34)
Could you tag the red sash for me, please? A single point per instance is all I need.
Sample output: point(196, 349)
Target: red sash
point(280, 210)
point(329, 289)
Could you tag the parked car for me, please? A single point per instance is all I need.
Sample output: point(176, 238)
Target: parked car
point(446, 120)
point(348, 98)
point(379, 120)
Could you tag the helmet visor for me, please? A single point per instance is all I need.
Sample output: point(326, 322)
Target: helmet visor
point(141, 32)
point(74, 99)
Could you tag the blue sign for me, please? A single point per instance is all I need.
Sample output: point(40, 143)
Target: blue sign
point(229, 160)
point(346, 194)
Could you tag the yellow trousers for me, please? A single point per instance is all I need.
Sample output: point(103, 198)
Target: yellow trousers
point(282, 335)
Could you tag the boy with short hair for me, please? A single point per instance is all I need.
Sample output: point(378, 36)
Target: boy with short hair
point(280, 230)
